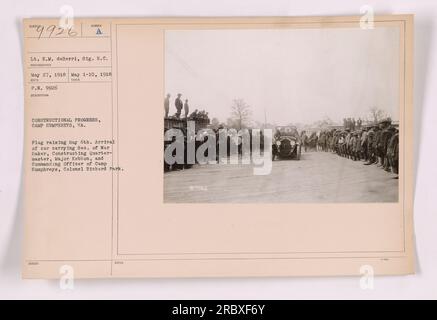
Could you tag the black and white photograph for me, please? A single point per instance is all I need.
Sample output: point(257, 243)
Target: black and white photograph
point(282, 115)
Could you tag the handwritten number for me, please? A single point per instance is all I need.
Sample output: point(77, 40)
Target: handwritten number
point(60, 31)
point(51, 29)
point(54, 31)
point(40, 30)
point(71, 32)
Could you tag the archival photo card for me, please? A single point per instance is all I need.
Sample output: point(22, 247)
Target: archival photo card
point(218, 147)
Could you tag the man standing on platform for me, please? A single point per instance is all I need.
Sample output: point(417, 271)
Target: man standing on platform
point(167, 105)
point(178, 104)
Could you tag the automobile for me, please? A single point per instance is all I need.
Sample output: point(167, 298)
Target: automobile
point(286, 143)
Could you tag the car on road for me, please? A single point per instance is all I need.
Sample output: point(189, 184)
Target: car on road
point(286, 143)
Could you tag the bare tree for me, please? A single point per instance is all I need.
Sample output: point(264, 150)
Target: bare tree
point(377, 114)
point(241, 114)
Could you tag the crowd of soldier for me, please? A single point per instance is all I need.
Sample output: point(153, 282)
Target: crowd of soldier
point(374, 144)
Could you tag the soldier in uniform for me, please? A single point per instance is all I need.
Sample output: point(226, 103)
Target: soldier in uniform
point(325, 142)
point(320, 141)
point(393, 151)
point(334, 141)
point(347, 143)
point(357, 146)
point(178, 104)
point(314, 140)
point(167, 105)
point(352, 142)
point(377, 146)
point(304, 140)
point(363, 139)
point(329, 141)
point(386, 133)
point(186, 108)
point(341, 143)
point(370, 143)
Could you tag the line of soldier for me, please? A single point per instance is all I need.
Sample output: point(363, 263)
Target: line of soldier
point(179, 105)
point(375, 144)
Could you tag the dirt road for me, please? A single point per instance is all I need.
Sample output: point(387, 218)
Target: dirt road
point(318, 177)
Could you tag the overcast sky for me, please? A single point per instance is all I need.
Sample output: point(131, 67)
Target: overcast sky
point(295, 75)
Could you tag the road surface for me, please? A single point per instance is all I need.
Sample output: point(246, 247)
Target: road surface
point(320, 177)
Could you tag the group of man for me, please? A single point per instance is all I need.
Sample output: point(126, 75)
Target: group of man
point(179, 105)
point(375, 144)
